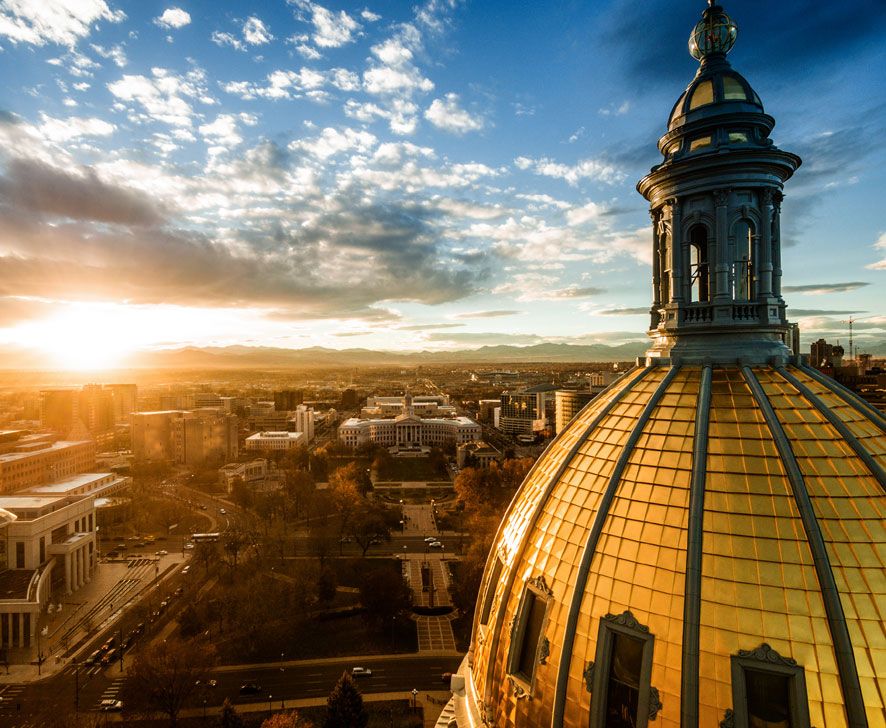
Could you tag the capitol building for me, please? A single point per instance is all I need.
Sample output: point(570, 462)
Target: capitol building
point(703, 545)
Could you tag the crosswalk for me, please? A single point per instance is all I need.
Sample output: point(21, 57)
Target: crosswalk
point(112, 692)
point(10, 697)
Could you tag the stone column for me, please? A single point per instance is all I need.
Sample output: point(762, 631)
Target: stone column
point(776, 243)
point(21, 629)
point(721, 242)
point(676, 251)
point(656, 270)
point(764, 264)
point(68, 579)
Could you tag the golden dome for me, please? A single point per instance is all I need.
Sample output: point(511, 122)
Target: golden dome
point(693, 529)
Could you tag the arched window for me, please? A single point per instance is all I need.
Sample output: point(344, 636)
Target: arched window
point(699, 267)
point(743, 261)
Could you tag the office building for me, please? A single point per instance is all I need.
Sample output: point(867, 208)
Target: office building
point(528, 411)
point(274, 440)
point(303, 422)
point(37, 461)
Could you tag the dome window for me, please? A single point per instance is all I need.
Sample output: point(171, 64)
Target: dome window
point(703, 94)
point(490, 591)
point(700, 143)
point(738, 137)
point(621, 694)
point(733, 89)
point(528, 646)
point(768, 690)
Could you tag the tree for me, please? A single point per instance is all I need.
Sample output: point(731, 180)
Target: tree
point(327, 584)
point(189, 622)
point(385, 595)
point(242, 493)
point(164, 676)
point(344, 707)
point(369, 524)
point(299, 488)
point(229, 717)
point(287, 720)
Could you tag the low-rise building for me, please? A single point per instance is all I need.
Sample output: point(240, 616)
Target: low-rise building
point(408, 431)
point(274, 440)
point(480, 454)
point(260, 474)
point(38, 461)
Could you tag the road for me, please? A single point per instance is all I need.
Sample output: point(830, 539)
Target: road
point(47, 700)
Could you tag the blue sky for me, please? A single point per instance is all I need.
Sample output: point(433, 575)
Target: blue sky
point(433, 176)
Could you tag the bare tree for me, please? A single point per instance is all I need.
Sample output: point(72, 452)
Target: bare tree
point(164, 676)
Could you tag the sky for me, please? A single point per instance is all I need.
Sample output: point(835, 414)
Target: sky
point(398, 176)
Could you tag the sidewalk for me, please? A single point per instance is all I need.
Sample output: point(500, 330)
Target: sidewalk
point(431, 703)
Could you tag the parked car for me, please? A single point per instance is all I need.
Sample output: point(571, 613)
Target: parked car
point(120, 547)
point(110, 656)
point(188, 546)
point(222, 511)
point(435, 545)
point(186, 569)
point(249, 688)
point(94, 658)
point(430, 539)
point(111, 705)
point(361, 672)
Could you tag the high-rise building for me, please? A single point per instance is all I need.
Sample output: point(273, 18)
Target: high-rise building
point(703, 545)
point(531, 410)
point(59, 408)
point(125, 400)
point(153, 434)
point(288, 399)
point(568, 403)
point(205, 435)
point(304, 422)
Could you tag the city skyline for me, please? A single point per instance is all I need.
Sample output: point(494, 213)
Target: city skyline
point(440, 177)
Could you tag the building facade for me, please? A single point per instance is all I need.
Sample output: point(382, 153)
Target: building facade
point(281, 440)
point(37, 462)
point(408, 431)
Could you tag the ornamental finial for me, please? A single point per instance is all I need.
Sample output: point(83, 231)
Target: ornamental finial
point(715, 33)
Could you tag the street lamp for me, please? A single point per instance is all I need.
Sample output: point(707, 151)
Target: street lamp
point(414, 696)
point(270, 704)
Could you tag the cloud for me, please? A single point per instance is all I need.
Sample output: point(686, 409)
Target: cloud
point(53, 21)
point(369, 16)
point(73, 127)
point(255, 32)
point(221, 38)
point(803, 312)
point(334, 141)
point(823, 288)
point(613, 110)
point(282, 84)
point(487, 314)
point(162, 96)
point(115, 53)
point(879, 245)
point(428, 327)
point(401, 114)
point(446, 114)
point(75, 194)
point(590, 169)
point(224, 129)
point(173, 18)
point(640, 310)
point(331, 29)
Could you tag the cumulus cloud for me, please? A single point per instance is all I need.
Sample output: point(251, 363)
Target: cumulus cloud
point(446, 114)
point(585, 169)
point(221, 38)
point(255, 32)
point(162, 96)
point(369, 16)
point(283, 84)
point(813, 289)
point(114, 53)
point(173, 18)
point(53, 21)
point(333, 141)
point(331, 29)
point(224, 130)
point(73, 127)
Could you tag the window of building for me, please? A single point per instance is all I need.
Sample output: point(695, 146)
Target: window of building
point(768, 690)
point(700, 143)
point(490, 591)
point(733, 90)
point(527, 634)
point(622, 696)
point(743, 260)
point(703, 94)
point(738, 137)
point(699, 267)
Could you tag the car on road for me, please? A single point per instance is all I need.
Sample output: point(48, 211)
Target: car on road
point(161, 552)
point(222, 511)
point(202, 506)
point(435, 545)
point(207, 683)
point(188, 546)
point(430, 539)
point(249, 688)
point(111, 705)
point(186, 569)
point(94, 658)
point(361, 672)
point(120, 547)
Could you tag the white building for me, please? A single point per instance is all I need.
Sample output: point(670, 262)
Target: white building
point(408, 431)
point(274, 440)
point(260, 474)
point(303, 420)
point(423, 405)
